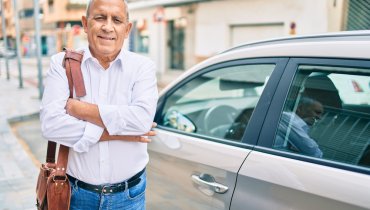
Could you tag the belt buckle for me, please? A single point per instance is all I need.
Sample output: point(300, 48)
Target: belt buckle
point(107, 189)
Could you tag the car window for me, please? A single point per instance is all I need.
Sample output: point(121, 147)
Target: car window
point(327, 115)
point(218, 103)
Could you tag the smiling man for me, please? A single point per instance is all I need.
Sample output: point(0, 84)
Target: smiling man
point(106, 129)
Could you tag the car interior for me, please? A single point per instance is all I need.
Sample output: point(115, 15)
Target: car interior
point(218, 104)
point(343, 132)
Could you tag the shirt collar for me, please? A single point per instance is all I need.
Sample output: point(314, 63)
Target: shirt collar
point(88, 56)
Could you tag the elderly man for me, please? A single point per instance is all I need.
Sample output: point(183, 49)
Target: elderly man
point(105, 129)
point(295, 127)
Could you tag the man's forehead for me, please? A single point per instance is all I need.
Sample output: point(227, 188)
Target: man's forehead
point(118, 6)
point(107, 3)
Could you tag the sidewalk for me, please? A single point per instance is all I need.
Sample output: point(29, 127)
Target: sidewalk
point(18, 173)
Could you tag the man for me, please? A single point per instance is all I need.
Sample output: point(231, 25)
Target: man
point(106, 167)
point(294, 128)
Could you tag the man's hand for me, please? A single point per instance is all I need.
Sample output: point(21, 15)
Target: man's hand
point(73, 106)
point(143, 139)
point(84, 111)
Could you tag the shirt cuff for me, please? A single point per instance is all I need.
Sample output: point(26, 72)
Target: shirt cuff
point(90, 137)
point(111, 118)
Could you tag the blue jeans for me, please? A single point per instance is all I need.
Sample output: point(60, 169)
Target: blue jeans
point(130, 199)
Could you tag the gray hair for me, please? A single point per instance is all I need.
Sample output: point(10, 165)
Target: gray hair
point(91, 1)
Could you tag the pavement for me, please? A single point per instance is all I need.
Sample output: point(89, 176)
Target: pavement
point(18, 162)
point(18, 174)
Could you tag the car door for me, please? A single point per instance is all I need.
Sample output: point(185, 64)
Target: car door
point(283, 175)
point(200, 143)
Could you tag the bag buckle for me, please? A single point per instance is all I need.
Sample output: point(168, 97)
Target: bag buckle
point(57, 179)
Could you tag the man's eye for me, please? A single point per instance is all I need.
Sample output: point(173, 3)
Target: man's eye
point(99, 18)
point(117, 21)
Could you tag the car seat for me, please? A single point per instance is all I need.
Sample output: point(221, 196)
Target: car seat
point(322, 89)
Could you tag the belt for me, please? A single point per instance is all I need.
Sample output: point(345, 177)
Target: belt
point(109, 188)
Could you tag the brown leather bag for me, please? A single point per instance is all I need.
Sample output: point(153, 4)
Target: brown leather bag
point(53, 190)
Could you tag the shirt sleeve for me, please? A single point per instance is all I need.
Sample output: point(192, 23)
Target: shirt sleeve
point(137, 117)
point(56, 124)
point(300, 139)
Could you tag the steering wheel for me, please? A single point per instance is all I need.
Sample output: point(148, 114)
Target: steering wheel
point(221, 115)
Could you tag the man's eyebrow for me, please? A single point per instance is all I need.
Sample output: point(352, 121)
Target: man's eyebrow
point(119, 17)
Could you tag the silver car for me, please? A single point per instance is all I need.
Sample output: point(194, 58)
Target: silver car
point(266, 125)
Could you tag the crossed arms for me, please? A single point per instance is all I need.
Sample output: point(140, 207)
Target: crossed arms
point(90, 113)
point(80, 124)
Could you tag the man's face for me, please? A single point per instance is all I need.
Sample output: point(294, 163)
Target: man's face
point(107, 27)
point(310, 113)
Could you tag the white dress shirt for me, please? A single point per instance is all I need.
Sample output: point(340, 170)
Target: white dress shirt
point(126, 95)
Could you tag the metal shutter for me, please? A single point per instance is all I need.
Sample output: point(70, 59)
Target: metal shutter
point(358, 15)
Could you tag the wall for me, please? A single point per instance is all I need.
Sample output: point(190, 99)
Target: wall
point(215, 18)
point(212, 25)
point(59, 12)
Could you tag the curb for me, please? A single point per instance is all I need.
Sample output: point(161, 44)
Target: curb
point(23, 117)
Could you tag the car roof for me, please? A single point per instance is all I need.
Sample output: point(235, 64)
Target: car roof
point(362, 35)
point(346, 45)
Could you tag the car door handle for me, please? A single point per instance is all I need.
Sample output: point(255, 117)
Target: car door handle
point(216, 187)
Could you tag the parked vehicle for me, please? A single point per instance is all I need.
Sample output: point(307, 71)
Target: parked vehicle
point(219, 124)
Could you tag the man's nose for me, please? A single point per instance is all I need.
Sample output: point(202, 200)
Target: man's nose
point(108, 26)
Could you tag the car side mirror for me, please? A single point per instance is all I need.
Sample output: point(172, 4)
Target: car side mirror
point(177, 120)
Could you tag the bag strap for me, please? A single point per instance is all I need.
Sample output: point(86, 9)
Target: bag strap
point(72, 63)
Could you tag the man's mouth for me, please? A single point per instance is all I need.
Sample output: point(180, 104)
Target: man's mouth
point(106, 38)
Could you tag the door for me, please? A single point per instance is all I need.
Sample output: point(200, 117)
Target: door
point(199, 147)
point(176, 43)
point(313, 151)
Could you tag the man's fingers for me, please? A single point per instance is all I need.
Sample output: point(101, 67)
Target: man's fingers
point(145, 140)
point(150, 133)
point(154, 124)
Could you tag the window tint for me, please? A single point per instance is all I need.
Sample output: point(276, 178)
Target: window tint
point(218, 103)
point(327, 115)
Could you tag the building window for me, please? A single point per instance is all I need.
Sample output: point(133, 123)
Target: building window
point(176, 30)
point(28, 13)
point(51, 6)
point(140, 36)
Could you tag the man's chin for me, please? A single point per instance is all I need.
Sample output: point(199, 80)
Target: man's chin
point(107, 52)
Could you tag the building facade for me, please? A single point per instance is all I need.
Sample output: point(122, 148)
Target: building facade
point(177, 34)
point(60, 25)
point(7, 8)
point(180, 33)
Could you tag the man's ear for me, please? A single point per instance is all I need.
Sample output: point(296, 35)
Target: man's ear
point(128, 29)
point(84, 23)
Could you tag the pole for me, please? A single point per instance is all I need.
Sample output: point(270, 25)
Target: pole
point(18, 42)
point(5, 40)
point(36, 12)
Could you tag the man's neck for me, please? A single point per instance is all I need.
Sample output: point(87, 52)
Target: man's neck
point(104, 60)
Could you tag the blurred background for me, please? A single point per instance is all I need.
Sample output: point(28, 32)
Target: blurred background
point(176, 34)
point(180, 33)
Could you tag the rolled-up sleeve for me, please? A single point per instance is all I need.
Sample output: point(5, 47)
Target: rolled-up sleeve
point(135, 118)
point(56, 124)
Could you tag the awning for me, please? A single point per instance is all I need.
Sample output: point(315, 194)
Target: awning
point(141, 4)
